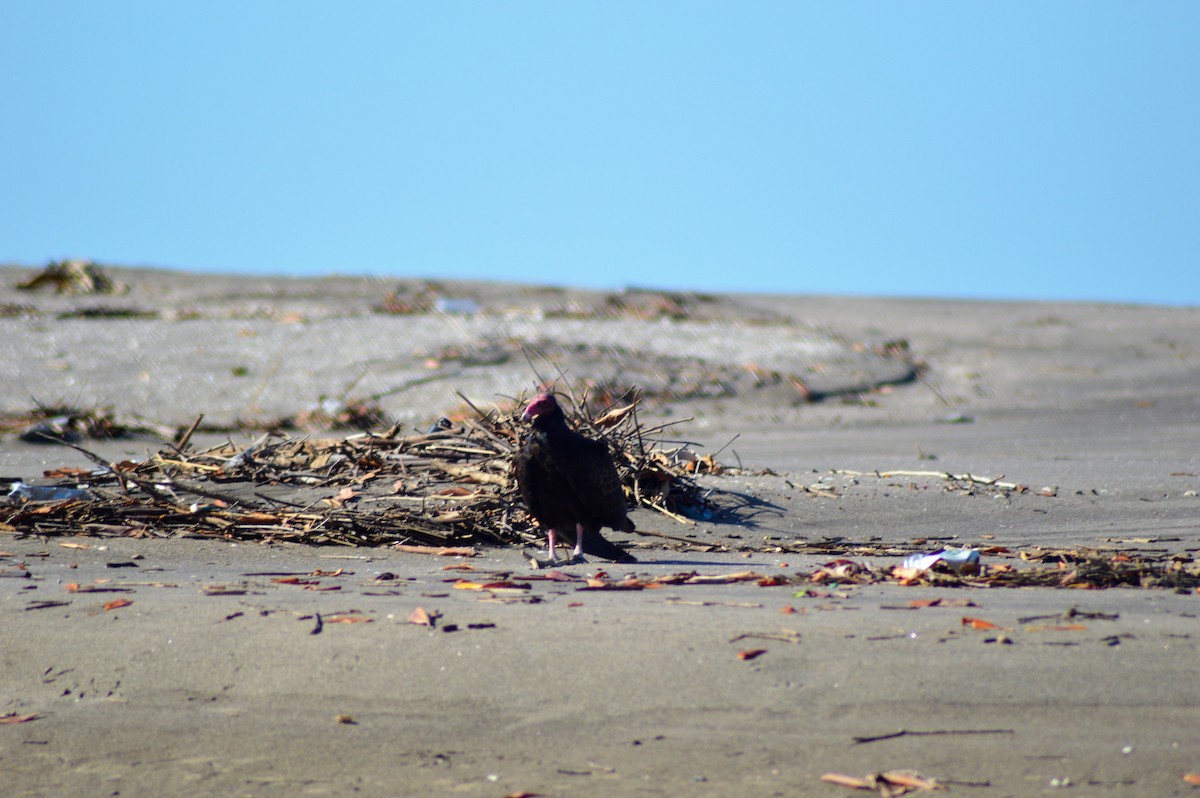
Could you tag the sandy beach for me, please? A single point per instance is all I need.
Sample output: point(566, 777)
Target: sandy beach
point(219, 679)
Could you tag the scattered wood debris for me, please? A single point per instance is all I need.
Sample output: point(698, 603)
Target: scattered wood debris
point(58, 423)
point(966, 483)
point(450, 487)
point(1079, 569)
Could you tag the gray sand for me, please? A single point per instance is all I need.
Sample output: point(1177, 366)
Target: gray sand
point(641, 692)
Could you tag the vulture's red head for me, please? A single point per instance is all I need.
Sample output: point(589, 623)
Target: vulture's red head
point(544, 404)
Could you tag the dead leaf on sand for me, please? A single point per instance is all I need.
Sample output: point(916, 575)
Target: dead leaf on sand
point(65, 471)
point(854, 782)
point(347, 617)
point(1192, 778)
point(625, 584)
point(463, 584)
point(892, 783)
point(223, 590)
point(941, 602)
point(613, 417)
point(722, 579)
point(783, 635)
point(555, 576)
point(751, 653)
point(117, 604)
point(10, 719)
point(420, 617)
point(437, 551)
point(979, 623)
point(99, 587)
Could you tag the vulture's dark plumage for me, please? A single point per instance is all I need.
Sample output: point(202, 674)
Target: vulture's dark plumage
point(570, 484)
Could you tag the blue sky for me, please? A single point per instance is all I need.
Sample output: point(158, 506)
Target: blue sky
point(1046, 150)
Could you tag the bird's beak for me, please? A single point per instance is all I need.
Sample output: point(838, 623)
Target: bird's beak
point(527, 415)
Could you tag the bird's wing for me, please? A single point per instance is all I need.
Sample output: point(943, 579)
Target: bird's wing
point(588, 468)
point(527, 468)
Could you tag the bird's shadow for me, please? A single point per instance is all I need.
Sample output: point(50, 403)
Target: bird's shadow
point(728, 507)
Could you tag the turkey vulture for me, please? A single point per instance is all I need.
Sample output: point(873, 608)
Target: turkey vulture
point(570, 484)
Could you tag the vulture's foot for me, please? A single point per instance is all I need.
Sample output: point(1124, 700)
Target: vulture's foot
point(554, 562)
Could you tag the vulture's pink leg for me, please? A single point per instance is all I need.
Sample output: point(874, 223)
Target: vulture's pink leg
point(578, 553)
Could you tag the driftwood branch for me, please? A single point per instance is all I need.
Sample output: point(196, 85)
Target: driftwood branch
point(991, 482)
point(936, 732)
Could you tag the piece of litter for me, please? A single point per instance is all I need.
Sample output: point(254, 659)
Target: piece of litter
point(958, 560)
point(45, 493)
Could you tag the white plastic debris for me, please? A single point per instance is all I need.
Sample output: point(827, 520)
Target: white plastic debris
point(958, 560)
point(330, 405)
point(242, 457)
point(456, 307)
point(45, 493)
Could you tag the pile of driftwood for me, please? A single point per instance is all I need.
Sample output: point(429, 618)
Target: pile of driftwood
point(450, 486)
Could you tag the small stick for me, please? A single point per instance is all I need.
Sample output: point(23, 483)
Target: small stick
point(187, 436)
point(637, 429)
point(747, 604)
point(686, 541)
point(151, 488)
point(681, 519)
point(482, 415)
point(978, 480)
point(727, 445)
point(786, 635)
point(273, 500)
point(906, 732)
point(936, 392)
point(665, 424)
point(529, 359)
point(160, 460)
point(201, 489)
